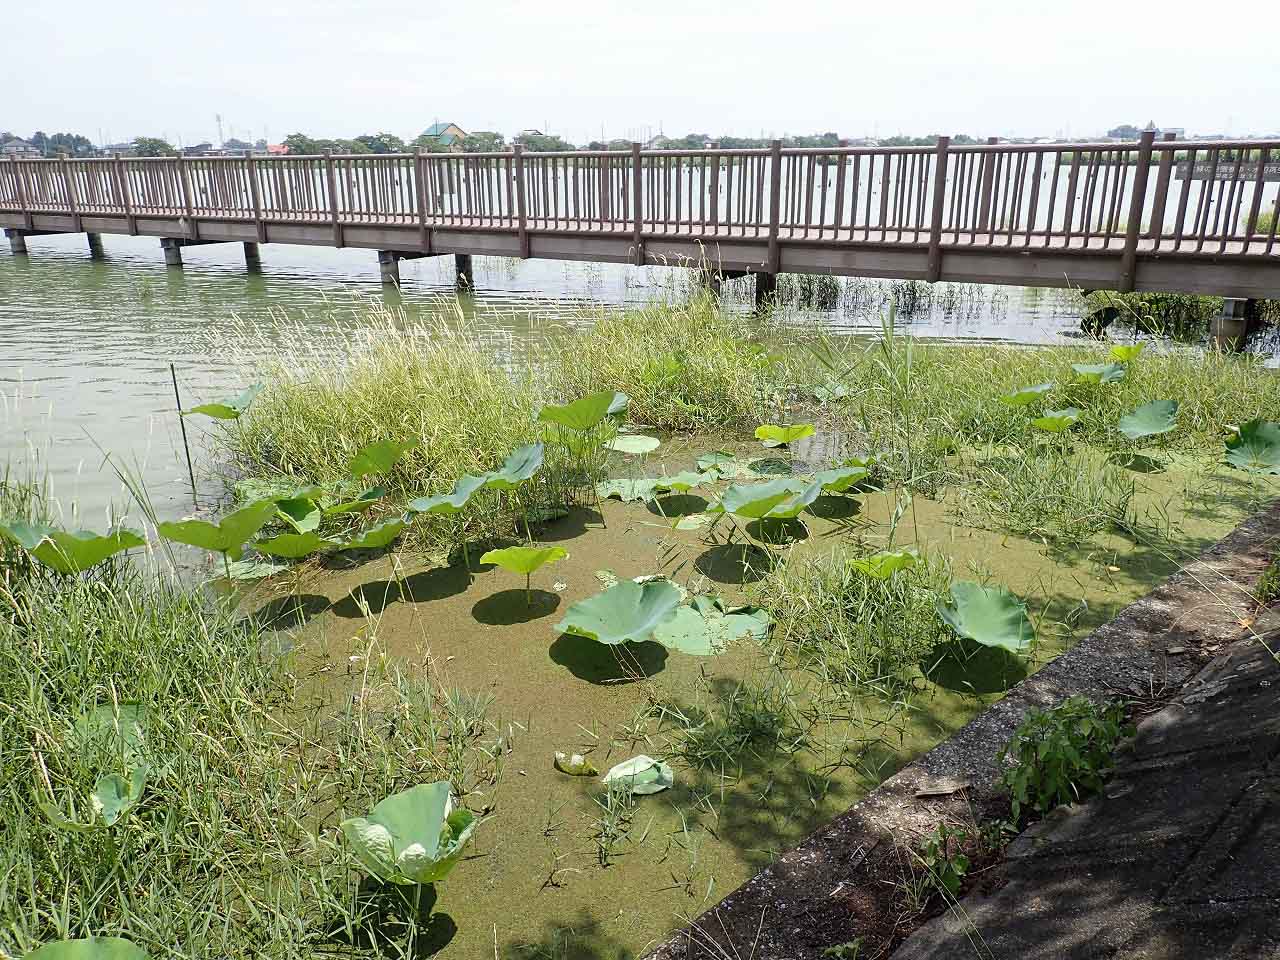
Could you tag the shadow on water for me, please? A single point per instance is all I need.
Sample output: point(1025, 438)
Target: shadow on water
point(377, 595)
point(735, 563)
point(771, 467)
point(831, 507)
point(602, 663)
point(574, 524)
point(1136, 462)
point(778, 531)
point(582, 938)
point(677, 505)
point(287, 613)
point(394, 921)
point(509, 607)
point(968, 667)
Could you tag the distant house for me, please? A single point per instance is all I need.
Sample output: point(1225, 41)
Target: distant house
point(18, 149)
point(124, 149)
point(277, 149)
point(199, 150)
point(448, 135)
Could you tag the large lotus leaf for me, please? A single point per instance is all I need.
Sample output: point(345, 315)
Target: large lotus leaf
point(625, 611)
point(411, 837)
point(524, 560)
point(886, 563)
point(1123, 353)
point(256, 569)
point(723, 464)
point(1099, 372)
point(772, 435)
point(227, 535)
point(301, 513)
point(705, 627)
point(633, 443)
point(840, 479)
point(378, 457)
point(292, 545)
point(626, 490)
point(682, 481)
point(122, 724)
point(585, 413)
point(70, 551)
point(227, 409)
point(113, 796)
point(93, 948)
point(523, 463)
point(1158, 416)
point(991, 616)
point(376, 537)
point(450, 502)
point(1056, 421)
point(362, 501)
point(1025, 396)
point(640, 775)
point(784, 497)
point(1256, 447)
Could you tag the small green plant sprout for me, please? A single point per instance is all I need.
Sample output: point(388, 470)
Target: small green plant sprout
point(69, 551)
point(840, 479)
point(585, 413)
point(90, 948)
point(227, 409)
point(225, 537)
point(633, 443)
point(1150, 419)
point(524, 560)
point(772, 435)
point(1057, 421)
point(413, 837)
point(378, 457)
point(377, 536)
point(1061, 755)
point(113, 796)
point(640, 775)
point(883, 565)
point(782, 498)
point(849, 950)
point(943, 858)
point(991, 616)
point(1099, 372)
point(1025, 396)
point(574, 764)
point(118, 730)
point(625, 612)
point(1126, 352)
point(292, 546)
point(1255, 447)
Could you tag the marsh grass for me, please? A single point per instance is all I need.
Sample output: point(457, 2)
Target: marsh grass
point(202, 866)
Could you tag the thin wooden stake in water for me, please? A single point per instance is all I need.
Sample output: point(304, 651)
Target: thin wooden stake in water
point(177, 398)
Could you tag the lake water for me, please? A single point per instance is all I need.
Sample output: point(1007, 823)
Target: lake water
point(86, 345)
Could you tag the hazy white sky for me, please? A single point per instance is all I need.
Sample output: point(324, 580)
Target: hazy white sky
point(328, 68)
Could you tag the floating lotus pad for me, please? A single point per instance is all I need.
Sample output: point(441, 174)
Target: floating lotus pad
point(1025, 396)
point(706, 626)
point(886, 563)
point(1056, 421)
point(291, 546)
point(1150, 419)
point(626, 611)
point(69, 551)
point(411, 837)
point(772, 435)
point(781, 499)
point(991, 616)
point(640, 775)
point(585, 413)
point(1099, 372)
point(724, 464)
point(633, 443)
point(227, 409)
point(256, 569)
point(376, 537)
point(1256, 447)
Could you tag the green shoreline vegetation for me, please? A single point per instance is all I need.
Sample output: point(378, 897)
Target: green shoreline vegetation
point(203, 772)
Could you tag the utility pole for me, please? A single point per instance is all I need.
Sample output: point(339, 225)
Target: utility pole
point(218, 117)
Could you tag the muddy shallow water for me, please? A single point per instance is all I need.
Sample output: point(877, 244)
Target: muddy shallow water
point(536, 882)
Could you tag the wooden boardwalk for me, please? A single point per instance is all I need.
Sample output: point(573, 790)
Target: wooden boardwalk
point(1195, 216)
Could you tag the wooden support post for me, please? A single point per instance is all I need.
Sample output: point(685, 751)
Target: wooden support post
point(775, 204)
point(17, 240)
point(637, 198)
point(126, 195)
point(255, 192)
point(252, 257)
point(68, 183)
point(766, 289)
point(193, 231)
point(389, 267)
point(95, 246)
point(331, 179)
point(522, 220)
point(462, 263)
point(988, 179)
point(172, 247)
point(939, 195)
point(420, 198)
point(1230, 328)
point(1137, 203)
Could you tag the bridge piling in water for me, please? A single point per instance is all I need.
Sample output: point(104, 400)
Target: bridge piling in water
point(95, 246)
point(17, 241)
point(389, 267)
point(766, 289)
point(172, 248)
point(1231, 327)
point(252, 257)
point(462, 264)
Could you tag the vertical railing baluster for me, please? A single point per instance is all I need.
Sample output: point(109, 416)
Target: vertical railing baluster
point(126, 195)
point(24, 199)
point(1137, 203)
point(420, 200)
point(1255, 204)
point(69, 188)
point(184, 177)
point(988, 178)
point(255, 195)
point(935, 221)
point(636, 199)
point(1158, 202)
point(522, 228)
point(775, 203)
point(331, 181)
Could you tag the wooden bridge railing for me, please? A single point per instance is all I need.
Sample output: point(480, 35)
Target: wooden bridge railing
point(1193, 197)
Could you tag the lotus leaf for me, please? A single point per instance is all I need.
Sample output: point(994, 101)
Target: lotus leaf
point(378, 457)
point(523, 463)
point(1099, 372)
point(782, 498)
point(1256, 447)
point(625, 611)
point(223, 537)
point(840, 479)
point(93, 948)
point(123, 723)
point(524, 560)
point(585, 413)
point(575, 765)
point(377, 536)
point(680, 482)
point(113, 796)
point(640, 775)
point(363, 501)
point(69, 551)
point(411, 837)
point(991, 616)
point(723, 464)
point(301, 513)
point(831, 390)
point(1025, 396)
point(886, 563)
point(772, 435)
point(228, 409)
point(1123, 353)
point(705, 627)
point(292, 545)
point(450, 502)
point(1056, 421)
point(627, 490)
point(1158, 416)
point(633, 443)
point(254, 569)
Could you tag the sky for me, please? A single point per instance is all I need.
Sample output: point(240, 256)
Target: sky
point(114, 71)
